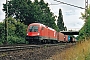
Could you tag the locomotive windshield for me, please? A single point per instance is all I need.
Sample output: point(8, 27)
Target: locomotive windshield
point(33, 29)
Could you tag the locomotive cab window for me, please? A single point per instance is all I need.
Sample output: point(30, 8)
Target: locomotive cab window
point(33, 29)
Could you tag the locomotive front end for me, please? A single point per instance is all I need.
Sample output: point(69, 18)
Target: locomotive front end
point(33, 33)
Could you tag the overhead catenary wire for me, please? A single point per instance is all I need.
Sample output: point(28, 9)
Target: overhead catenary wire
point(67, 4)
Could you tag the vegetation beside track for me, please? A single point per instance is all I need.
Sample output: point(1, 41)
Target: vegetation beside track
point(80, 51)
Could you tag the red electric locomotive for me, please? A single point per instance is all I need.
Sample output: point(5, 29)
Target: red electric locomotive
point(38, 32)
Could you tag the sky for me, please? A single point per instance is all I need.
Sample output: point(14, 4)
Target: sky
point(2, 14)
point(71, 15)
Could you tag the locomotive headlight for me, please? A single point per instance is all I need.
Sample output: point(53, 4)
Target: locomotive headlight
point(27, 34)
point(38, 34)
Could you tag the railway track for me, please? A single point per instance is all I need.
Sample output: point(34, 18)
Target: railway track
point(17, 47)
point(31, 52)
point(22, 47)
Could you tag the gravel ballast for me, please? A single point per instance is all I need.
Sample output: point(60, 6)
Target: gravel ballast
point(32, 54)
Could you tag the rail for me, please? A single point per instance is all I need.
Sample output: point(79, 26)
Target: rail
point(22, 47)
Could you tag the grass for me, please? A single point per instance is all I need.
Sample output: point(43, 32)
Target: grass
point(81, 51)
point(87, 57)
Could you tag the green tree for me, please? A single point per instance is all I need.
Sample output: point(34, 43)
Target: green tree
point(47, 17)
point(60, 22)
point(16, 31)
point(2, 33)
point(85, 30)
point(20, 9)
point(29, 12)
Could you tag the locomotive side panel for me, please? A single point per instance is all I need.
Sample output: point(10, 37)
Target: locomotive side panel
point(52, 34)
point(44, 32)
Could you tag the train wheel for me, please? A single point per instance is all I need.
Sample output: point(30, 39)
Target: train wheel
point(42, 41)
point(29, 42)
point(53, 42)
